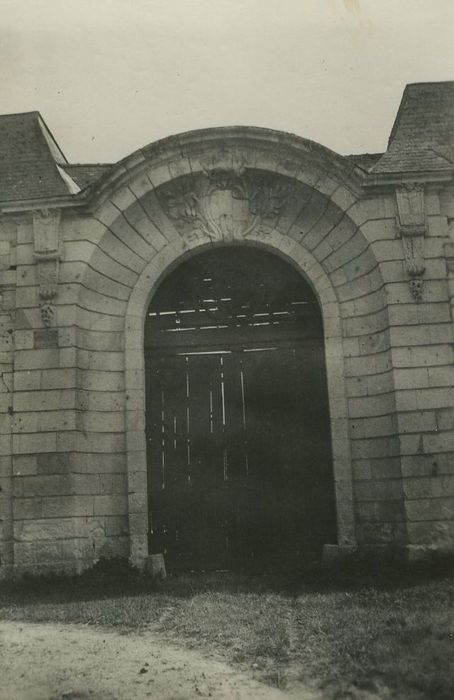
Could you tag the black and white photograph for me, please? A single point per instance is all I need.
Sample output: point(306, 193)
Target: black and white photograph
point(227, 349)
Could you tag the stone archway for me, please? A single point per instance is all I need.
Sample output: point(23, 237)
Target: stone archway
point(243, 187)
point(135, 385)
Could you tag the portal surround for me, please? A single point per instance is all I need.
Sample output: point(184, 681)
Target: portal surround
point(140, 298)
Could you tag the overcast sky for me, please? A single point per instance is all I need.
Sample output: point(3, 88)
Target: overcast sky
point(110, 76)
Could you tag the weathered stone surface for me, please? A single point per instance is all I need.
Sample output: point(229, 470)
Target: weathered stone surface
point(73, 457)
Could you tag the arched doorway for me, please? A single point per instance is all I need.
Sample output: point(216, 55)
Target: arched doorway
point(237, 423)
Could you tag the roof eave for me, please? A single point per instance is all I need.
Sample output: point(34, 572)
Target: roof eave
point(391, 179)
point(58, 202)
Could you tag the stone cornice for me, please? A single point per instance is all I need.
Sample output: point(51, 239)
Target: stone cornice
point(390, 180)
point(29, 205)
point(278, 147)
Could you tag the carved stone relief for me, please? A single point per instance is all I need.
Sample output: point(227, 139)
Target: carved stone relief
point(226, 203)
point(47, 252)
point(411, 224)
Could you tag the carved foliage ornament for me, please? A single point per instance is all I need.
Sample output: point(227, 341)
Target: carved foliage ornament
point(225, 202)
point(47, 252)
point(411, 224)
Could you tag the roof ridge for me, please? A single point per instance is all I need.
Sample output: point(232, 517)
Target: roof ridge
point(87, 165)
point(431, 82)
point(51, 141)
point(21, 114)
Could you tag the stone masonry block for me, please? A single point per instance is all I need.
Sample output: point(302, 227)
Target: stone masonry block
point(34, 443)
point(434, 398)
point(441, 376)
point(445, 418)
point(111, 504)
point(37, 359)
point(97, 282)
point(85, 484)
point(101, 442)
point(116, 525)
point(379, 512)
point(121, 253)
point(439, 442)
point(436, 534)
point(427, 464)
point(25, 464)
point(137, 461)
point(27, 508)
point(101, 262)
point(137, 217)
point(373, 427)
point(371, 406)
point(44, 400)
point(99, 340)
point(113, 483)
point(101, 360)
point(106, 401)
point(23, 340)
point(98, 463)
point(67, 440)
point(436, 486)
point(102, 304)
point(44, 485)
point(372, 490)
point(138, 502)
point(95, 321)
point(107, 421)
point(411, 378)
point(430, 509)
point(67, 506)
point(424, 356)
point(125, 232)
point(375, 447)
point(40, 529)
point(417, 421)
point(53, 463)
point(101, 381)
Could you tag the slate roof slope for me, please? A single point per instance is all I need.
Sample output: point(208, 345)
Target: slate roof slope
point(32, 166)
point(422, 138)
point(29, 159)
point(366, 161)
point(85, 175)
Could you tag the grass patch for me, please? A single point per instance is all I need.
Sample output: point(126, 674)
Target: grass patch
point(389, 633)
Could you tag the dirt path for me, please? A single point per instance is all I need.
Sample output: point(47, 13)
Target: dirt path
point(71, 662)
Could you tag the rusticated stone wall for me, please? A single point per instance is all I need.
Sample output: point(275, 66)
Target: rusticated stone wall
point(76, 283)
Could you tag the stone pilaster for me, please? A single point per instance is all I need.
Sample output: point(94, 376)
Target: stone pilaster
point(48, 253)
point(449, 250)
point(412, 227)
point(7, 313)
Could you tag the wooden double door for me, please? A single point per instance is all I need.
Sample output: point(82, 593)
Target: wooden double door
point(239, 452)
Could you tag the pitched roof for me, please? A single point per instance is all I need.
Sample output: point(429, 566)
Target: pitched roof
point(422, 138)
point(32, 166)
point(85, 175)
point(29, 159)
point(366, 161)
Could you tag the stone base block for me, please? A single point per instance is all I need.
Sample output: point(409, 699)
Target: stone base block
point(425, 553)
point(155, 566)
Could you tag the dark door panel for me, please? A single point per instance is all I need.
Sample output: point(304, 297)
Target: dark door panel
point(239, 453)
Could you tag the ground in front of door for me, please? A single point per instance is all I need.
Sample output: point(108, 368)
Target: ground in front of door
point(75, 662)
